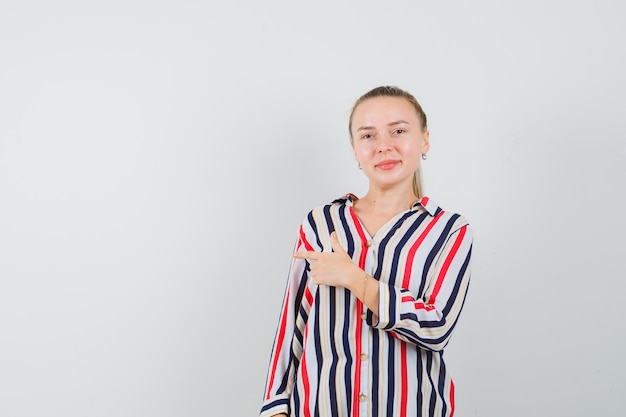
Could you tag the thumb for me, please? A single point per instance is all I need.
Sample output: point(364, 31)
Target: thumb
point(334, 242)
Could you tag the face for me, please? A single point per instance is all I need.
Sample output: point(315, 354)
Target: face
point(388, 141)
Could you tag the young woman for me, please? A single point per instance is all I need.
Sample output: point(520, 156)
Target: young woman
point(376, 285)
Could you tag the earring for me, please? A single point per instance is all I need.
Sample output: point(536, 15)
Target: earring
point(424, 156)
point(359, 164)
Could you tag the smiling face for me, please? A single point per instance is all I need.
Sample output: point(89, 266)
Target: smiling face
point(388, 140)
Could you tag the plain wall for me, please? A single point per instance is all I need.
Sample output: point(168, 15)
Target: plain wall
point(157, 157)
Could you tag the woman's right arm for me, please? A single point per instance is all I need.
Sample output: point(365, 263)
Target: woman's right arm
point(289, 339)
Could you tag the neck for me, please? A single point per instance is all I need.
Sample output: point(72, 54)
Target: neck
point(389, 200)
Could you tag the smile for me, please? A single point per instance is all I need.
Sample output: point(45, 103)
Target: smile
point(387, 164)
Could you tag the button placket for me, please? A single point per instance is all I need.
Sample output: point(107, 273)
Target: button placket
point(366, 334)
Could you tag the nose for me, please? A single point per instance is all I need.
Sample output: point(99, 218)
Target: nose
point(384, 143)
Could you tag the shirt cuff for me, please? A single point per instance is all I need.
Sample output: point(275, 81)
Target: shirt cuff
point(273, 406)
point(388, 310)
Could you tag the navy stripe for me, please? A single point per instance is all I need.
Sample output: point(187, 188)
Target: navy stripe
point(318, 346)
point(414, 339)
point(375, 357)
point(392, 309)
point(433, 392)
point(314, 227)
point(349, 358)
point(391, 365)
point(335, 357)
point(296, 399)
point(441, 389)
point(420, 389)
point(346, 228)
point(275, 403)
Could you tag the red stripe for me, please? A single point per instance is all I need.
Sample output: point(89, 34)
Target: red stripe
point(309, 296)
point(411, 254)
point(305, 373)
point(359, 229)
point(446, 265)
point(451, 398)
point(405, 380)
point(305, 377)
point(279, 344)
point(424, 201)
point(307, 245)
point(357, 368)
point(359, 322)
point(418, 304)
point(407, 298)
point(422, 306)
point(303, 241)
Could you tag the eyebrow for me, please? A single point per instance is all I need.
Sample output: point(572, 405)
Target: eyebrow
point(397, 122)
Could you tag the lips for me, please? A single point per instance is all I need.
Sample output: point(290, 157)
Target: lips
point(387, 164)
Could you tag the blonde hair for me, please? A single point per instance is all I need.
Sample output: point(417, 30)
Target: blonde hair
point(392, 91)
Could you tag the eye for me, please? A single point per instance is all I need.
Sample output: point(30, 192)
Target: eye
point(367, 136)
point(399, 131)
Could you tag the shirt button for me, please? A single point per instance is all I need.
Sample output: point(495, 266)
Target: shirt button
point(363, 316)
point(362, 397)
point(363, 356)
point(368, 243)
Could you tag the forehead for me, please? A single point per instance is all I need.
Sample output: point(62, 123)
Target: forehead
point(383, 110)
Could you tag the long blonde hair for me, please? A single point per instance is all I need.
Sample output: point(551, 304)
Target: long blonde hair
point(392, 91)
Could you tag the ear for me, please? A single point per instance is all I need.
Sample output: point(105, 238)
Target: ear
point(355, 158)
point(426, 142)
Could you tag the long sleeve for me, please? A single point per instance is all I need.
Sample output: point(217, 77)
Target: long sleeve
point(428, 321)
point(288, 343)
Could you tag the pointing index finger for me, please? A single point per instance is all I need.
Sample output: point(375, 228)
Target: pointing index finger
point(310, 255)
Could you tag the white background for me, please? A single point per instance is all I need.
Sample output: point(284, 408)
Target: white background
point(156, 158)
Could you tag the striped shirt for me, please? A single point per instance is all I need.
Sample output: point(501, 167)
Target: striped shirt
point(333, 357)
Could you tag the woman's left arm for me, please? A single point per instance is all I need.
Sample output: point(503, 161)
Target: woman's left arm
point(428, 321)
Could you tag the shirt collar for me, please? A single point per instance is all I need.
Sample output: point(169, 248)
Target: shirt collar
point(430, 206)
point(425, 202)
